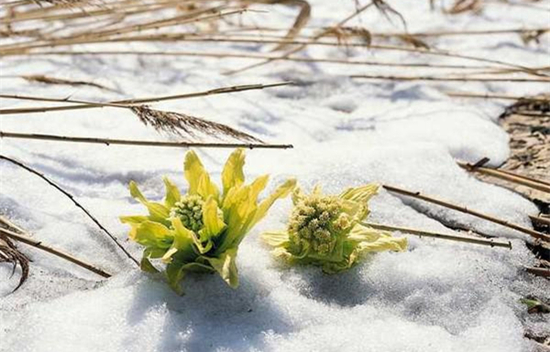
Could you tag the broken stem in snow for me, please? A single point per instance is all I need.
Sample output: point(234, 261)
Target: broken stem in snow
point(422, 233)
point(142, 143)
point(507, 176)
point(75, 202)
point(462, 209)
point(23, 238)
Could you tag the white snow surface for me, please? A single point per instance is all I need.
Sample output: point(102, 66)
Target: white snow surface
point(437, 296)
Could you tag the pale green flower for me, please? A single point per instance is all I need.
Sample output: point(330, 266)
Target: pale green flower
point(325, 230)
point(201, 230)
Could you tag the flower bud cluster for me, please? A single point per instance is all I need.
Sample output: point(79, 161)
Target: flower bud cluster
point(318, 221)
point(189, 210)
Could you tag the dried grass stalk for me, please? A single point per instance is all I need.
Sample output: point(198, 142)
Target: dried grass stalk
point(463, 209)
point(60, 81)
point(10, 254)
point(181, 124)
point(143, 143)
point(299, 23)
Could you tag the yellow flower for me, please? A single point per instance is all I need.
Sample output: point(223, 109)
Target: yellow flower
point(201, 230)
point(326, 230)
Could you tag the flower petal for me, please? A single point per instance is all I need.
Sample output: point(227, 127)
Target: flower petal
point(281, 192)
point(193, 170)
point(213, 225)
point(232, 174)
point(172, 193)
point(226, 266)
point(158, 212)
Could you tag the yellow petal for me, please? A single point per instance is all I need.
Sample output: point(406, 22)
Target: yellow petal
point(206, 187)
point(172, 193)
point(232, 174)
point(360, 194)
point(226, 266)
point(275, 238)
point(281, 192)
point(212, 222)
point(193, 170)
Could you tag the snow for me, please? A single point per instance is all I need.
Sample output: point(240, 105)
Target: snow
point(437, 296)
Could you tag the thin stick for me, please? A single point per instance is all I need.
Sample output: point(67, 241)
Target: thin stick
point(59, 253)
point(75, 202)
point(222, 90)
point(422, 233)
point(223, 55)
point(540, 220)
point(532, 183)
point(465, 210)
point(493, 96)
point(525, 177)
point(451, 79)
point(538, 271)
point(108, 141)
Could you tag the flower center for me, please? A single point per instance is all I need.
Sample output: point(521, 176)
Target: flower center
point(189, 210)
point(318, 220)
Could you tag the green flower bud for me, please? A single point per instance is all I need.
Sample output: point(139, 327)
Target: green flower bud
point(318, 221)
point(189, 210)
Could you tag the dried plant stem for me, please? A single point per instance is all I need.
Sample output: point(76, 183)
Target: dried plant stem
point(525, 177)
point(462, 209)
point(422, 233)
point(128, 102)
point(540, 220)
point(522, 180)
point(223, 55)
point(314, 39)
point(59, 253)
point(450, 79)
point(73, 200)
point(109, 141)
point(493, 96)
point(538, 271)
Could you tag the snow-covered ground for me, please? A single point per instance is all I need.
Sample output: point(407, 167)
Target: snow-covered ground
point(437, 296)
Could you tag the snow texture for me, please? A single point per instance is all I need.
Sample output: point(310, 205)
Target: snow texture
point(437, 296)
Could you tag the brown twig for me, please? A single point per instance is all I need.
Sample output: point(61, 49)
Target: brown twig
point(59, 253)
point(463, 209)
point(538, 271)
point(78, 104)
point(450, 79)
point(493, 96)
point(422, 233)
point(75, 202)
point(507, 176)
point(109, 141)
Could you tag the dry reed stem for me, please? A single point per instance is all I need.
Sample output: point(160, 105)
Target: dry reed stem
point(180, 124)
point(507, 176)
point(423, 233)
point(463, 209)
point(302, 46)
point(78, 104)
point(543, 272)
point(450, 79)
point(53, 80)
point(105, 36)
point(73, 200)
point(494, 96)
point(540, 220)
point(109, 141)
point(57, 252)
